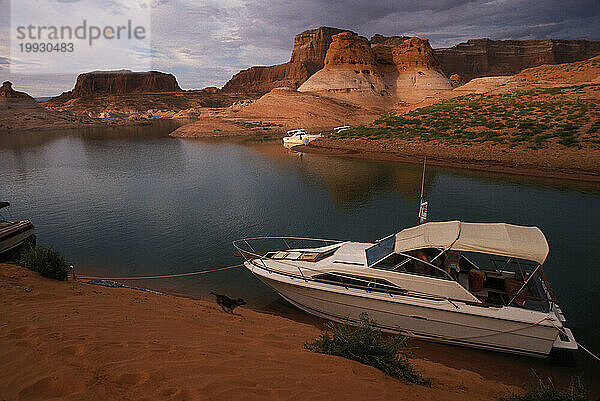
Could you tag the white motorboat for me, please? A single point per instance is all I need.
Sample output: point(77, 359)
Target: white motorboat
point(472, 284)
point(13, 233)
point(299, 137)
point(343, 128)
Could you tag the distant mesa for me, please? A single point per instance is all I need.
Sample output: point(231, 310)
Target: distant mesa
point(210, 89)
point(20, 112)
point(308, 57)
point(485, 57)
point(12, 98)
point(121, 82)
point(378, 39)
point(7, 92)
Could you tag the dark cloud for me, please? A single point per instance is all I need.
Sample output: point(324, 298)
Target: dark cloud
point(205, 42)
point(445, 22)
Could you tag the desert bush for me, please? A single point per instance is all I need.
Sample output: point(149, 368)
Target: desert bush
point(547, 392)
point(46, 261)
point(367, 345)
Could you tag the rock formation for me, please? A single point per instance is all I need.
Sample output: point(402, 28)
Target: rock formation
point(570, 73)
point(122, 82)
point(8, 95)
point(485, 57)
point(20, 112)
point(281, 109)
point(378, 74)
point(127, 94)
point(475, 58)
point(378, 39)
point(308, 56)
point(456, 80)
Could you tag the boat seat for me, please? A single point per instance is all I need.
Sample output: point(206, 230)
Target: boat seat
point(534, 289)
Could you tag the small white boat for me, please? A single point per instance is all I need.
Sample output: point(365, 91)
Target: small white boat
point(298, 137)
point(13, 233)
point(472, 284)
point(343, 128)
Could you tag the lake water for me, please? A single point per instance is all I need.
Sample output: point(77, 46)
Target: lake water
point(132, 201)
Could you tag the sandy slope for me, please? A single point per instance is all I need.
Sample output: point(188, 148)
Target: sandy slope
point(285, 108)
point(71, 341)
point(296, 109)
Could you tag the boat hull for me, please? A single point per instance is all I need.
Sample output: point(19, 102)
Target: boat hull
point(290, 142)
point(425, 319)
point(15, 235)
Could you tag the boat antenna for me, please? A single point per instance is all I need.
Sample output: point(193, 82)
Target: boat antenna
point(422, 217)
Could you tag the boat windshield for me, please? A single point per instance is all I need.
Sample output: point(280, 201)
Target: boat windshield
point(381, 250)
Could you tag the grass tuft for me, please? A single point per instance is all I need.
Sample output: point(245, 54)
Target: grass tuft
point(367, 345)
point(46, 261)
point(547, 392)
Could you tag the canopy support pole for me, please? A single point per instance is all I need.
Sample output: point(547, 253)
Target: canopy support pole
point(524, 284)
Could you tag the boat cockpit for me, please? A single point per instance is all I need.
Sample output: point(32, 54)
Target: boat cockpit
point(497, 270)
point(496, 281)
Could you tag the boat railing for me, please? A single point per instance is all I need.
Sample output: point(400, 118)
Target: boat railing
point(250, 253)
point(256, 258)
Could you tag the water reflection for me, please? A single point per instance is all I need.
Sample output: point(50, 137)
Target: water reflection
point(27, 139)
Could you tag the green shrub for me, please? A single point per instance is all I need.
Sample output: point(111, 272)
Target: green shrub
point(547, 392)
point(46, 261)
point(366, 345)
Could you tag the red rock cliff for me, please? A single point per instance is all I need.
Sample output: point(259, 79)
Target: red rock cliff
point(308, 57)
point(122, 82)
point(415, 53)
point(7, 92)
point(485, 57)
point(348, 48)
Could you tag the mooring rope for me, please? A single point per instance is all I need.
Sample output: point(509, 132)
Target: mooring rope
point(241, 264)
point(159, 276)
point(578, 343)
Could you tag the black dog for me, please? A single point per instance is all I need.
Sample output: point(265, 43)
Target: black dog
point(228, 304)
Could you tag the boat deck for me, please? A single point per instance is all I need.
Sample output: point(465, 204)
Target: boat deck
point(4, 224)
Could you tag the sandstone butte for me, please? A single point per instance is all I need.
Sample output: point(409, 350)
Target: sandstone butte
point(122, 82)
point(378, 74)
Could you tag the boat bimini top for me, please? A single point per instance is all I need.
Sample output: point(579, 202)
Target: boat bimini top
point(297, 131)
point(490, 238)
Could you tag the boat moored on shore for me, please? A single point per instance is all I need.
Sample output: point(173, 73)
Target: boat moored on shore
point(299, 137)
point(473, 284)
point(13, 233)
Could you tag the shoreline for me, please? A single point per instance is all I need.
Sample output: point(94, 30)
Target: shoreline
point(74, 340)
point(333, 147)
point(408, 152)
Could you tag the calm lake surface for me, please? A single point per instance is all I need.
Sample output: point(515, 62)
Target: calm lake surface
point(132, 201)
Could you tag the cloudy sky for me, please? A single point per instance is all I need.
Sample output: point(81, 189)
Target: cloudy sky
point(205, 42)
